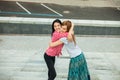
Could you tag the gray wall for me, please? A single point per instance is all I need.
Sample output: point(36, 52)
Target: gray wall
point(15, 28)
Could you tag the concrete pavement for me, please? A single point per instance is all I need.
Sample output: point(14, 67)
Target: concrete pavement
point(21, 57)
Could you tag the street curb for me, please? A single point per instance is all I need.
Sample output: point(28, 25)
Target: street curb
point(98, 23)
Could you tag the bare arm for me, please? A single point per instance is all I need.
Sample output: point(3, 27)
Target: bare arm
point(71, 32)
point(56, 43)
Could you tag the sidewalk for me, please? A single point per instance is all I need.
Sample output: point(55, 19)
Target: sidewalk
point(21, 57)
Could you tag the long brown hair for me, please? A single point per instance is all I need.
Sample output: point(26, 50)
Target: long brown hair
point(69, 25)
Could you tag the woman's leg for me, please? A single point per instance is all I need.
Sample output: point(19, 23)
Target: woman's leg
point(50, 61)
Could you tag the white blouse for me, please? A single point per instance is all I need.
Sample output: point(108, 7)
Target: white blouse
point(72, 48)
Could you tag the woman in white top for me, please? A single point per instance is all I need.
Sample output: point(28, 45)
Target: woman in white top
point(78, 69)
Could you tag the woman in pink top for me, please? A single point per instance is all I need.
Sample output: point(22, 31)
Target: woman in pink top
point(51, 52)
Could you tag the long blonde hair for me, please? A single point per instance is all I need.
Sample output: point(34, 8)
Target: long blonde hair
point(69, 25)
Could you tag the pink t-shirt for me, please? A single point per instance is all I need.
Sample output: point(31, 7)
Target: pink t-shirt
point(56, 51)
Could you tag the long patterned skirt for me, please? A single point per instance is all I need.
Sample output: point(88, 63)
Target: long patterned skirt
point(78, 69)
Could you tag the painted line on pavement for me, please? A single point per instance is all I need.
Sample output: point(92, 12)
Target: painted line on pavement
point(51, 9)
point(23, 7)
point(33, 14)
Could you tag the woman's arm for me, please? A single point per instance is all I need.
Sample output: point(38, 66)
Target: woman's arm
point(56, 43)
point(71, 32)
